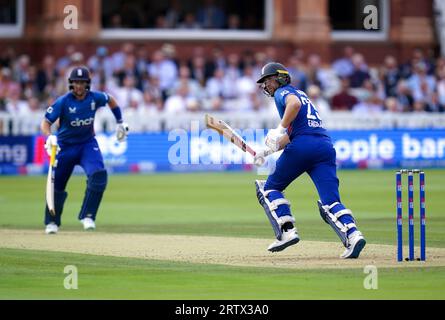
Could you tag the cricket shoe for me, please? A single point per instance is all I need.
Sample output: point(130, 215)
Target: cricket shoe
point(88, 224)
point(51, 228)
point(356, 244)
point(288, 238)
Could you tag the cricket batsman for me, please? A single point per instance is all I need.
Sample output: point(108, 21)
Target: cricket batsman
point(76, 144)
point(306, 148)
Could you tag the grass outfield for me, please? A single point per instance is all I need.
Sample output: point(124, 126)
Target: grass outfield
point(213, 205)
point(39, 275)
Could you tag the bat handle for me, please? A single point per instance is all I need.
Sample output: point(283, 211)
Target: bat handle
point(53, 155)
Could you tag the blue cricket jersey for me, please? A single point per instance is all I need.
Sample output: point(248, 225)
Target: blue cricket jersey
point(76, 116)
point(307, 121)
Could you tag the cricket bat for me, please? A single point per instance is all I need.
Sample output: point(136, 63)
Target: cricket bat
point(50, 182)
point(230, 134)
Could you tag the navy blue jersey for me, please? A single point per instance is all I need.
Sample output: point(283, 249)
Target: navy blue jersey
point(76, 116)
point(307, 121)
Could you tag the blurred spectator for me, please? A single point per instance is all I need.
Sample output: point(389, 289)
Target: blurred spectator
point(246, 90)
point(295, 68)
point(189, 22)
point(30, 88)
point(76, 60)
point(271, 54)
point(131, 16)
point(181, 101)
point(320, 103)
point(219, 86)
point(115, 22)
point(142, 60)
point(151, 104)
point(369, 105)
point(7, 84)
point(210, 16)
point(233, 72)
point(421, 84)
point(391, 76)
point(173, 14)
point(435, 105)
point(198, 69)
point(217, 60)
point(22, 69)
point(359, 73)
point(344, 100)
point(194, 87)
point(128, 96)
point(441, 85)
point(101, 63)
point(247, 59)
point(315, 73)
point(34, 105)
point(392, 105)
point(233, 22)
point(419, 106)
point(64, 62)
point(15, 105)
point(169, 51)
point(129, 70)
point(165, 70)
point(344, 66)
point(154, 88)
point(119, 57)
point(7, 56)
point(407, 69)
point(260, 61)
point(404, 95)
point(161, 22)
point(47, 74)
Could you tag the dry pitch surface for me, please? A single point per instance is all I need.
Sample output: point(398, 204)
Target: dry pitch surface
point(247, 252)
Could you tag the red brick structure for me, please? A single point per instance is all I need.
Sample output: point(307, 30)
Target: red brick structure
point(296, 23)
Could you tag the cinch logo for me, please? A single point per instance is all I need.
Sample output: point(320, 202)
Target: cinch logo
point(81, 123)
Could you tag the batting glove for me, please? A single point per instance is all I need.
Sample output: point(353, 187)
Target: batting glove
point(274, 136)
point(260, 156)
point(51, 141)
point(122, 131)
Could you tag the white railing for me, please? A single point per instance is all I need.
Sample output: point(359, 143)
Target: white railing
point(140, 122)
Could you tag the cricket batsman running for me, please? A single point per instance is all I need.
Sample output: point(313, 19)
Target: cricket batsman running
point(307, 148)
point(76, 144)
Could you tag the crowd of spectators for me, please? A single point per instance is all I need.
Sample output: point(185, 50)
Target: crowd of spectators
point(162, 82)
point(190, 15)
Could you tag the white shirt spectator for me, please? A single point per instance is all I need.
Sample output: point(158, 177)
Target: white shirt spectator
point(128, 96)
point(180, 102)
point(163, 69)
point(220, 86)
point(17, 107)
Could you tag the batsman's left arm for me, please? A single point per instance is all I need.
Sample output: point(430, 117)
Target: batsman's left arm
point(277, 139)
point(293, 106)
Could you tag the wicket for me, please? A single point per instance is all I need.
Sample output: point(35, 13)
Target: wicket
point(410, 174)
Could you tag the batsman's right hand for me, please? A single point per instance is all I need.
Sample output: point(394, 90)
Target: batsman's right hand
point(260, 156)
point(51, 141)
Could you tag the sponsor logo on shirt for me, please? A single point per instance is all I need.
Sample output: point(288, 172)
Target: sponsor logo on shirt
point(82, 122)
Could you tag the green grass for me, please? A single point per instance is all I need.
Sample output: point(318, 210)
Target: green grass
point(222, 205)
point(212, 204)
point(40, 275)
